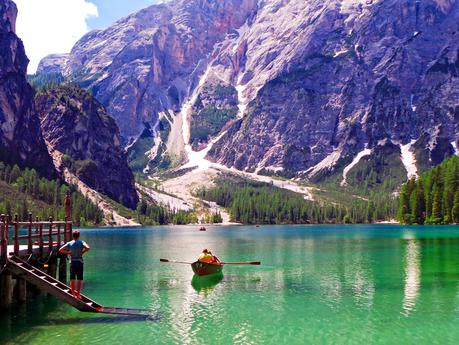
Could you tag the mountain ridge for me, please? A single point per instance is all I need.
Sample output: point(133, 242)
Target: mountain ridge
point(313, 89)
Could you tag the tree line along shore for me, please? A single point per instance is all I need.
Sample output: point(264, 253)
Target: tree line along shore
point(432, 198)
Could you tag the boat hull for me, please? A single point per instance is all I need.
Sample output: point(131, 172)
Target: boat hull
point(205, 268)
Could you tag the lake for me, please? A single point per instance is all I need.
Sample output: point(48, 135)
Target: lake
point(318, 284)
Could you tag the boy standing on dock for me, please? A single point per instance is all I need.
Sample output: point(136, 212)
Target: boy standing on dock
point(75, 249)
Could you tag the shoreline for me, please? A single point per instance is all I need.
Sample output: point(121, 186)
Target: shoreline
point(389, 222)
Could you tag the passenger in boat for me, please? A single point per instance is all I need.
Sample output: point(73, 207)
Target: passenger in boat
point(75, 249)
point(207, 256)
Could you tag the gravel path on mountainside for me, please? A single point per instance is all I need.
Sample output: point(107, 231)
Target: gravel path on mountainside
point(183, 187)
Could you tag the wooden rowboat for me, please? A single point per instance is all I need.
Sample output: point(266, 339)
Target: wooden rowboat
point(205, 268)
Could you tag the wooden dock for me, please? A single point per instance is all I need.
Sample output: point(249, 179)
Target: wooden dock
point(36, 242)
point(61, 291)
point(32, 256)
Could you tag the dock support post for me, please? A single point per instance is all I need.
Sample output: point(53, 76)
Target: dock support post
point(52, 266)
point(68, 217)
point(16, 234)
point(63, 268)
point(50, 235)
point(40, 240)
point(3, 240)
point(20, 290)
point(29, 235)
point(59, 235)
point(6, 290)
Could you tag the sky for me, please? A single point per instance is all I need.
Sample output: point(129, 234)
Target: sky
point(54, 26)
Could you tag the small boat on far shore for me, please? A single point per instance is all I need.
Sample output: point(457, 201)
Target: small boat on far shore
point(206, 268)
point(202, 228)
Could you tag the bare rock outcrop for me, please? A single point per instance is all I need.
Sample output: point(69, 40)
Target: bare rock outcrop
point(76, 125)
point(20, 139)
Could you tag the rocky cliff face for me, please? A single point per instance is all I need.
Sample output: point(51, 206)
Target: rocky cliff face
point(215, 108)
point(317, 84)
point(360, 75)
point(76, 125)
point(52, 64)
point(146, 63)
point(20, 139)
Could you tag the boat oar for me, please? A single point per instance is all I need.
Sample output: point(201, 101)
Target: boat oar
point(223, 263)
point(242, 263)
point(175, 261)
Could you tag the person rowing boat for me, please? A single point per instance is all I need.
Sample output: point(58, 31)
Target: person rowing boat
point(207, 264)
point(207, 257)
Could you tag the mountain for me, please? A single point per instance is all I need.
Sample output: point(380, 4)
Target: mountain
point(360, 75)
point(86, 139)
point(20, 139)
point(309, 90)
point(145, 63)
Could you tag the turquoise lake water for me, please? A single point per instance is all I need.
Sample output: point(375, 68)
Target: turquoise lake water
point(366, 284)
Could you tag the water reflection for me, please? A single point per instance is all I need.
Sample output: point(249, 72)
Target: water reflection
point(104, 319)
point(412, 275)
point(205, 284)
point(363, 285)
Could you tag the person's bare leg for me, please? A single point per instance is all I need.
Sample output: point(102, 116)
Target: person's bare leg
point(72, 287)
point(79, 283)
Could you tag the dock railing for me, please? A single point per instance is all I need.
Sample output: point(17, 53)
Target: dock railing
point(38, 234)
point(3, 241)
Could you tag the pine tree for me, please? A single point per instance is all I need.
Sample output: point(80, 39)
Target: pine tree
point(15, 173)
point(455, 209)
point(418, 203)
point(450, 186)
point(436, 217)
point(404, 207)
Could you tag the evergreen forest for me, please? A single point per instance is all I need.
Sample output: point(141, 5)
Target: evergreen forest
point(23, 191)
point(433, 198)
point(262, 203)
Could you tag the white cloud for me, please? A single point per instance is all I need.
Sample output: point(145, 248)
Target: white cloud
point(51, 26)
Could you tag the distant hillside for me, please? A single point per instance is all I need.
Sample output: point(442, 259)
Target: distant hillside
point(23, 191)
point(252, 202)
